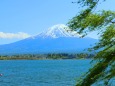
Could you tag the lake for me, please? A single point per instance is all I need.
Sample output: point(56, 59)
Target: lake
point(42, 72)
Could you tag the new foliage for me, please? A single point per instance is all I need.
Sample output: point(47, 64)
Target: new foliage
point(103, 21)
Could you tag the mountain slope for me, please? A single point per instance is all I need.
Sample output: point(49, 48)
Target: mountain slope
point(57, 39)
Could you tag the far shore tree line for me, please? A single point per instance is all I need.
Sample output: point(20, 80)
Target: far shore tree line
point(47, 56)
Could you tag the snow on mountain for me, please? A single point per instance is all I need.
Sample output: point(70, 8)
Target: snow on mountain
point(57, 31)
point(57, 39)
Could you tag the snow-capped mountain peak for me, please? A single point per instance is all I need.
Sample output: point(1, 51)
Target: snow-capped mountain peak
point(57, 31)
point(57, 39)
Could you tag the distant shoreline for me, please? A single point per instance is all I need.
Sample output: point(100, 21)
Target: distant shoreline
point(42, 59)
point(46, 59)
point(60, 56)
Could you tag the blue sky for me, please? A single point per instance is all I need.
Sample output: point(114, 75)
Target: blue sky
point(23, 18)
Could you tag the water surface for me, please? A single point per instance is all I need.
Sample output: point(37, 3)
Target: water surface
point(42, 72)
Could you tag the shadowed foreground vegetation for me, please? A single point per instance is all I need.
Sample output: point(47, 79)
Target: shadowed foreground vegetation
point(46, 56)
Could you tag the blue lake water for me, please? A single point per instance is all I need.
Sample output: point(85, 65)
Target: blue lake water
point(42, 72)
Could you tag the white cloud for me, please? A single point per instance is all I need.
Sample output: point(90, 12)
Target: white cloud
point(19, 35)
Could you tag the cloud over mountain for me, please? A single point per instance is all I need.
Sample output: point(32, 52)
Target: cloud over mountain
point(19, 35)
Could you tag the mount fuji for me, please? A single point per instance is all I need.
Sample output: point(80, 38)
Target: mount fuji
point(57, 39)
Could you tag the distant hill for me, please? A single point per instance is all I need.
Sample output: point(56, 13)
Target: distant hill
point(57, 39)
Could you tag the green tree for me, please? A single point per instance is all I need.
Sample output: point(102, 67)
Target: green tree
point(102, 21)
